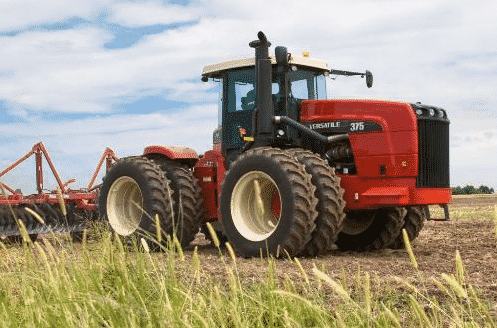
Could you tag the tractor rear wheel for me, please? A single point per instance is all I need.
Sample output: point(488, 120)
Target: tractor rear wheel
point(367, 230)
point(186, 196)
point(414, 222)
point(267, 204)
point(133, 193)
point(330, 205)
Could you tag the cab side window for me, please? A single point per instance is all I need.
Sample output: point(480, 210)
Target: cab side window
point(240, 92)
point(245, 96)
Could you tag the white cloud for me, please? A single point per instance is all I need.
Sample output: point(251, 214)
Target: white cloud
point(151, 13)
point(437, 52)
point(69, 71)
point(113, 124)
point(19, 14)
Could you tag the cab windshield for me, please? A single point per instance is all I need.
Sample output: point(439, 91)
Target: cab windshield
point(304, 84)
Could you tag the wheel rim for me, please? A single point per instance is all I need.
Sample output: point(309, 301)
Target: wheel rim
point(256, 206)
point(124, 205)
point(355, 224)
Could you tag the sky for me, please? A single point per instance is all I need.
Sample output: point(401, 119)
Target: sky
point(84, 75)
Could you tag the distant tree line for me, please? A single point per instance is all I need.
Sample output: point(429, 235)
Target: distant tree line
point(470, 190)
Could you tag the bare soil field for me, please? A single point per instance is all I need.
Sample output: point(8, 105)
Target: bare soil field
point(471, 230)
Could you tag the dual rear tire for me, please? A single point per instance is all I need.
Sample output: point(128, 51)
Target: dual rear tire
point(137, 193)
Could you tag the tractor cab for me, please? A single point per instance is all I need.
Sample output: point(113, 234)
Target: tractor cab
point(302, 78)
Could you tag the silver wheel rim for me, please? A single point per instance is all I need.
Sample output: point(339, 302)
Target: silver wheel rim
point(256, 206)
point(356, 224)
point(124, 206)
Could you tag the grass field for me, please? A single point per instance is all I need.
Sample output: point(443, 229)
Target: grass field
point(447, 280)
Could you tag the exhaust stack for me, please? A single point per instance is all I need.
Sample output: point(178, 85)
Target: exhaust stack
point(263, 89)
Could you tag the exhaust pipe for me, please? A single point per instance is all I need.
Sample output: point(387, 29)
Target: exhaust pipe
point(263, 89)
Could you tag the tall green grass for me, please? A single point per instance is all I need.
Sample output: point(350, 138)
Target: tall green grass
point(105, 283)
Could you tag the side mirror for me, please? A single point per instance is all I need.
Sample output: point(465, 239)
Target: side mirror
point(369, 79)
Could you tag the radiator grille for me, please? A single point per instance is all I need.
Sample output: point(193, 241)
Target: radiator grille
point(433, 150)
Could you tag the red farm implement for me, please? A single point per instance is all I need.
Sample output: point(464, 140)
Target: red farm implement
point(78, 208)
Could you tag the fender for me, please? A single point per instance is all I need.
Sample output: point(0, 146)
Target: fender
point(210, 171)
point(180, 153)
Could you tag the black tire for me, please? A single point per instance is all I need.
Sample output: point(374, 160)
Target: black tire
point(284, 200)
point(187, 200)
point(414, 222)
point(330, 214)
point(144, 193)
point(368, 230)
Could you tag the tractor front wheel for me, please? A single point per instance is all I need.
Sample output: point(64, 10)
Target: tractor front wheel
point(367, 230)
point(414, 222)
point(267, 204)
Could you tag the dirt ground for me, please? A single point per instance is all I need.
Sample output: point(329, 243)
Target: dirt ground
point(471, 230)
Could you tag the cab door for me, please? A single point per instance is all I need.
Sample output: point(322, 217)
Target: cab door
point(238, 105)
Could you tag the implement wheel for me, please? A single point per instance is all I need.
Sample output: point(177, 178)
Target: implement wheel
point(267, 204)
point(133, 193)
point(367, 230)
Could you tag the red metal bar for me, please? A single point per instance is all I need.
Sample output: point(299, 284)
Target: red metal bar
point(41, 147)
point(83, 199)
point(39, 171)
point(37, 149)
point(6, 187)
point(68, 182)
point(108, 155)
point(19, 161)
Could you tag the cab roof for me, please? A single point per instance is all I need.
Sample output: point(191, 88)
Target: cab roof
point(215, 70)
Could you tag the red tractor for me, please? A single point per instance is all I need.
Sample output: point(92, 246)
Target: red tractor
point(290, 172)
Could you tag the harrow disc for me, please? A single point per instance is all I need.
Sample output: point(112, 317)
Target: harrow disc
point(53, 220)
